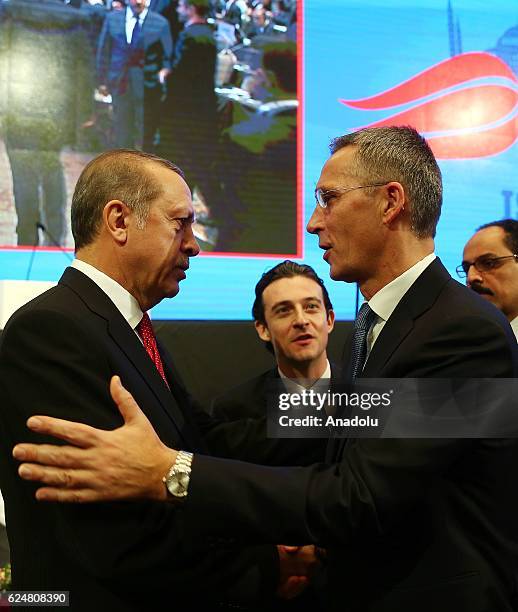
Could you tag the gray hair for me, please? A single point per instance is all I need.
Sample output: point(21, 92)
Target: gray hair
point(121, 174)
point(400, 153)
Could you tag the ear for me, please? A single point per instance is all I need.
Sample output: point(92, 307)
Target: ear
point(394, 204)
point(262, 331)
point(330, 321)
point(115, 219)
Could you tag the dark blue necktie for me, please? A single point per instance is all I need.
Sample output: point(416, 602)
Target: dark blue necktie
point(136, 32)
point(363, 323)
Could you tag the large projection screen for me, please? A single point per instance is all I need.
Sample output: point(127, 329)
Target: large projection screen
point(449, 68)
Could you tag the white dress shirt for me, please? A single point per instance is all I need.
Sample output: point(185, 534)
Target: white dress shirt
point(293, 386)
point(123, 300)
point(386, 299)
point(514, 325)
point(131, 21)
point(320, 385)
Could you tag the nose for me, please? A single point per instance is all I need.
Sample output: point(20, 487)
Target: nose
point(190, 245)
point(473, 276)
point(300, 319)
point(315, 222)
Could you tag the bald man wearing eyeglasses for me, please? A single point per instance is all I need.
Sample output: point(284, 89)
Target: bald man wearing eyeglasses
point(490, 266)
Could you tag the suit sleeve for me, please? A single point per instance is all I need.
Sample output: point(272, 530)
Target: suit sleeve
point(376, 481)
point(167, 46)
point(103, 53)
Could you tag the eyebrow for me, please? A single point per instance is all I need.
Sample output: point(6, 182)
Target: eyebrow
point(186, 217)
point(290, 302)
point(489, 254)
point(325, 188)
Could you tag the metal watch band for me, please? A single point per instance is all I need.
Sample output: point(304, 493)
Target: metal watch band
point(183, 460)
point(177, 478)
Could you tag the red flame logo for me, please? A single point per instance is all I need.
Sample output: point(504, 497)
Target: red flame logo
point(460, 116)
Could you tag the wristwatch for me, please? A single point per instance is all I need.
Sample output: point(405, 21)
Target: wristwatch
point(177, 478)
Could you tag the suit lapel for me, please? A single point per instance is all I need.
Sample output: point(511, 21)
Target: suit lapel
point(418, 299)
point(127, 341)
point(121, 27)
point(125, 338)
point(393, 333)
point(333, 443)
point(181, 395)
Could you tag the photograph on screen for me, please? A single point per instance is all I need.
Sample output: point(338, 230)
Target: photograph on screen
point(210, 85)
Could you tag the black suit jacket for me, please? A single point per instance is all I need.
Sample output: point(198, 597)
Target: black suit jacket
point(250, 400)
point(191, 98)
point(410, 524)
point(57, 355)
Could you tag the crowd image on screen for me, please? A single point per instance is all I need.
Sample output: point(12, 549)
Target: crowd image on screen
point(208, 84)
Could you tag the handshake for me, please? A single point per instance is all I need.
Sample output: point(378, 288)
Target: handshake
point(297, 565)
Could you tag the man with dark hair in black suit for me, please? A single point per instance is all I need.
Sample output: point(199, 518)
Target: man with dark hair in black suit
point(133, 61)
point(409, 524)
point(293, 316)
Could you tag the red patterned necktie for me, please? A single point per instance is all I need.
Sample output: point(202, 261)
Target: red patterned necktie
point(145, 331)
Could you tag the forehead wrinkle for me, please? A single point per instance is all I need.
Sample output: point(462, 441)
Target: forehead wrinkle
point(175, 205)
point(290, 302)
point(342, 179)
point(487, 254)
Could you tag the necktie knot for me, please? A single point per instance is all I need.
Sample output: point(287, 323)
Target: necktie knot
point(145, 325)
point(365, 317)
point(362, 325)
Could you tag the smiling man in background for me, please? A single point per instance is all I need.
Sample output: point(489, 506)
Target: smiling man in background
point(293, 317)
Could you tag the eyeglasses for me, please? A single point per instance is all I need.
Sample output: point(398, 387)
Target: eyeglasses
point(322, 197)
point(483, 264)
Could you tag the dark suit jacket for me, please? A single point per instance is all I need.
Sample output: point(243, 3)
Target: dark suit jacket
point(152, 52)
point(410, 525)
point(57, 355)
point(191, 82)
point(250, 400)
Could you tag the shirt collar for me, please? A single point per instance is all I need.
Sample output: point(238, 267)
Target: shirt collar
point(293, 386)
point(123, 300)
point(388, 297)
point(131, 15)
point(514, 325)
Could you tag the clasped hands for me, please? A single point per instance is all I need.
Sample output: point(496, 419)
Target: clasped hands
point(297, 565)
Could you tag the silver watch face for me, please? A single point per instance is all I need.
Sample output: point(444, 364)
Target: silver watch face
point(177, 489)
point(178, 482)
